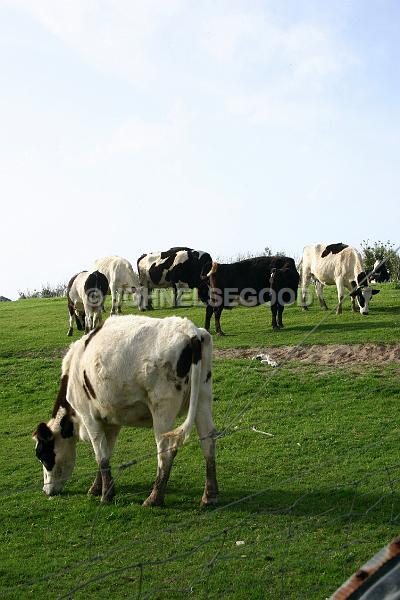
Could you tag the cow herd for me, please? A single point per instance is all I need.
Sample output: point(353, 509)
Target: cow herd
point(145, 372)
point(250, 282)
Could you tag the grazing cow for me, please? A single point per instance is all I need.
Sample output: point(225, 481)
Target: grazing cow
point(252, 282)
point(379, 274)
point(178, 267)
point(85, 295)
point(340, 265)
point(121, 277)
point(134, 371)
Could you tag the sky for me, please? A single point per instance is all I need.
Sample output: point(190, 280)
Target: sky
point(225, 125)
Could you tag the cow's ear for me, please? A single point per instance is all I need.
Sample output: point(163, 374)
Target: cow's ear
point(374, 292)
point(43, 433)
point(66, 427)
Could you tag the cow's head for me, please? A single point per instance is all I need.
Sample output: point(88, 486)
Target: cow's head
point(56, 450)
point(363, 293)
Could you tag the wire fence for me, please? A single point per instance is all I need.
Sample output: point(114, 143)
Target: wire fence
point(347, 507)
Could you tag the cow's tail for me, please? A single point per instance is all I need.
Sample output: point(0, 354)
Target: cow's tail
point(181, 434)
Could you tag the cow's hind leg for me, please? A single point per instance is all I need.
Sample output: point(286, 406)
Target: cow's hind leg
point(120, 300)
point(166, 453)
point(114, 303)
point(71, 311)
point(206, 430)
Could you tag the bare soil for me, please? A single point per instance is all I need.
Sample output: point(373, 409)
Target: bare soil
point(324, 354)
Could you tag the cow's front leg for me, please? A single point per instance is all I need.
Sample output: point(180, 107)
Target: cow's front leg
point(280, 313)
point(209, 312)
point(340, 292)
point(97, 486)
point(107, 482)
point(103, 442)
point(176, 295)
point(320, 294)
point(165, 458)
point(217, 314)
point(274, 311)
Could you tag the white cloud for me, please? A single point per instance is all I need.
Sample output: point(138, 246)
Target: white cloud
point(116, 35)
point(141, 138)
point(245, 36)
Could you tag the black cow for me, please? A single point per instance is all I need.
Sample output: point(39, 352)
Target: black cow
point(252, 282)
point(178, 267)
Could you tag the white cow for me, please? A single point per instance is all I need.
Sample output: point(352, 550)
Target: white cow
point(121, 277)
point(340, 265)
point(85, 294)
point(134, 371)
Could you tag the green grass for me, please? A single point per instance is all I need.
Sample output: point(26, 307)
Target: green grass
point(311, 503)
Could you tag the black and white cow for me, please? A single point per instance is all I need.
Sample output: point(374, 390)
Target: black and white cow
point(379, 274)
point(340, 265)
point(252, 282)
point(178, 267)
point(134, 371)
point(85, 295)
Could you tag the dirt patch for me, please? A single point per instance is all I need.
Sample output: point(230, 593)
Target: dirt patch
point(327, 354)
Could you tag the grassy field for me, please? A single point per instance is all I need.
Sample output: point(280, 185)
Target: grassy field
point(299, 510)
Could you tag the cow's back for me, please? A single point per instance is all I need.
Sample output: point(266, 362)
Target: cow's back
point(129, 360)
point(118, 271)
point(328, 267)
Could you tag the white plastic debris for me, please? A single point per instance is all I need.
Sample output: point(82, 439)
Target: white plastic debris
point(265, 360)
point(263, 432)
point(240, 543)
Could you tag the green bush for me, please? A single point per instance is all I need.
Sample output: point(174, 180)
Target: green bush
point(382, 251)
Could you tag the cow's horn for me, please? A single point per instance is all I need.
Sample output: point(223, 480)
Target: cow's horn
point(213, 269)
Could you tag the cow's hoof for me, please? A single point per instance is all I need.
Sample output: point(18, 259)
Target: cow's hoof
point(109, 495)
point(304, 308)
point(94, 490)
point(107, 498)
point(208, 501)
point(69, 333)
point(151, 501)
point(275, 328)
point(221, 333)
